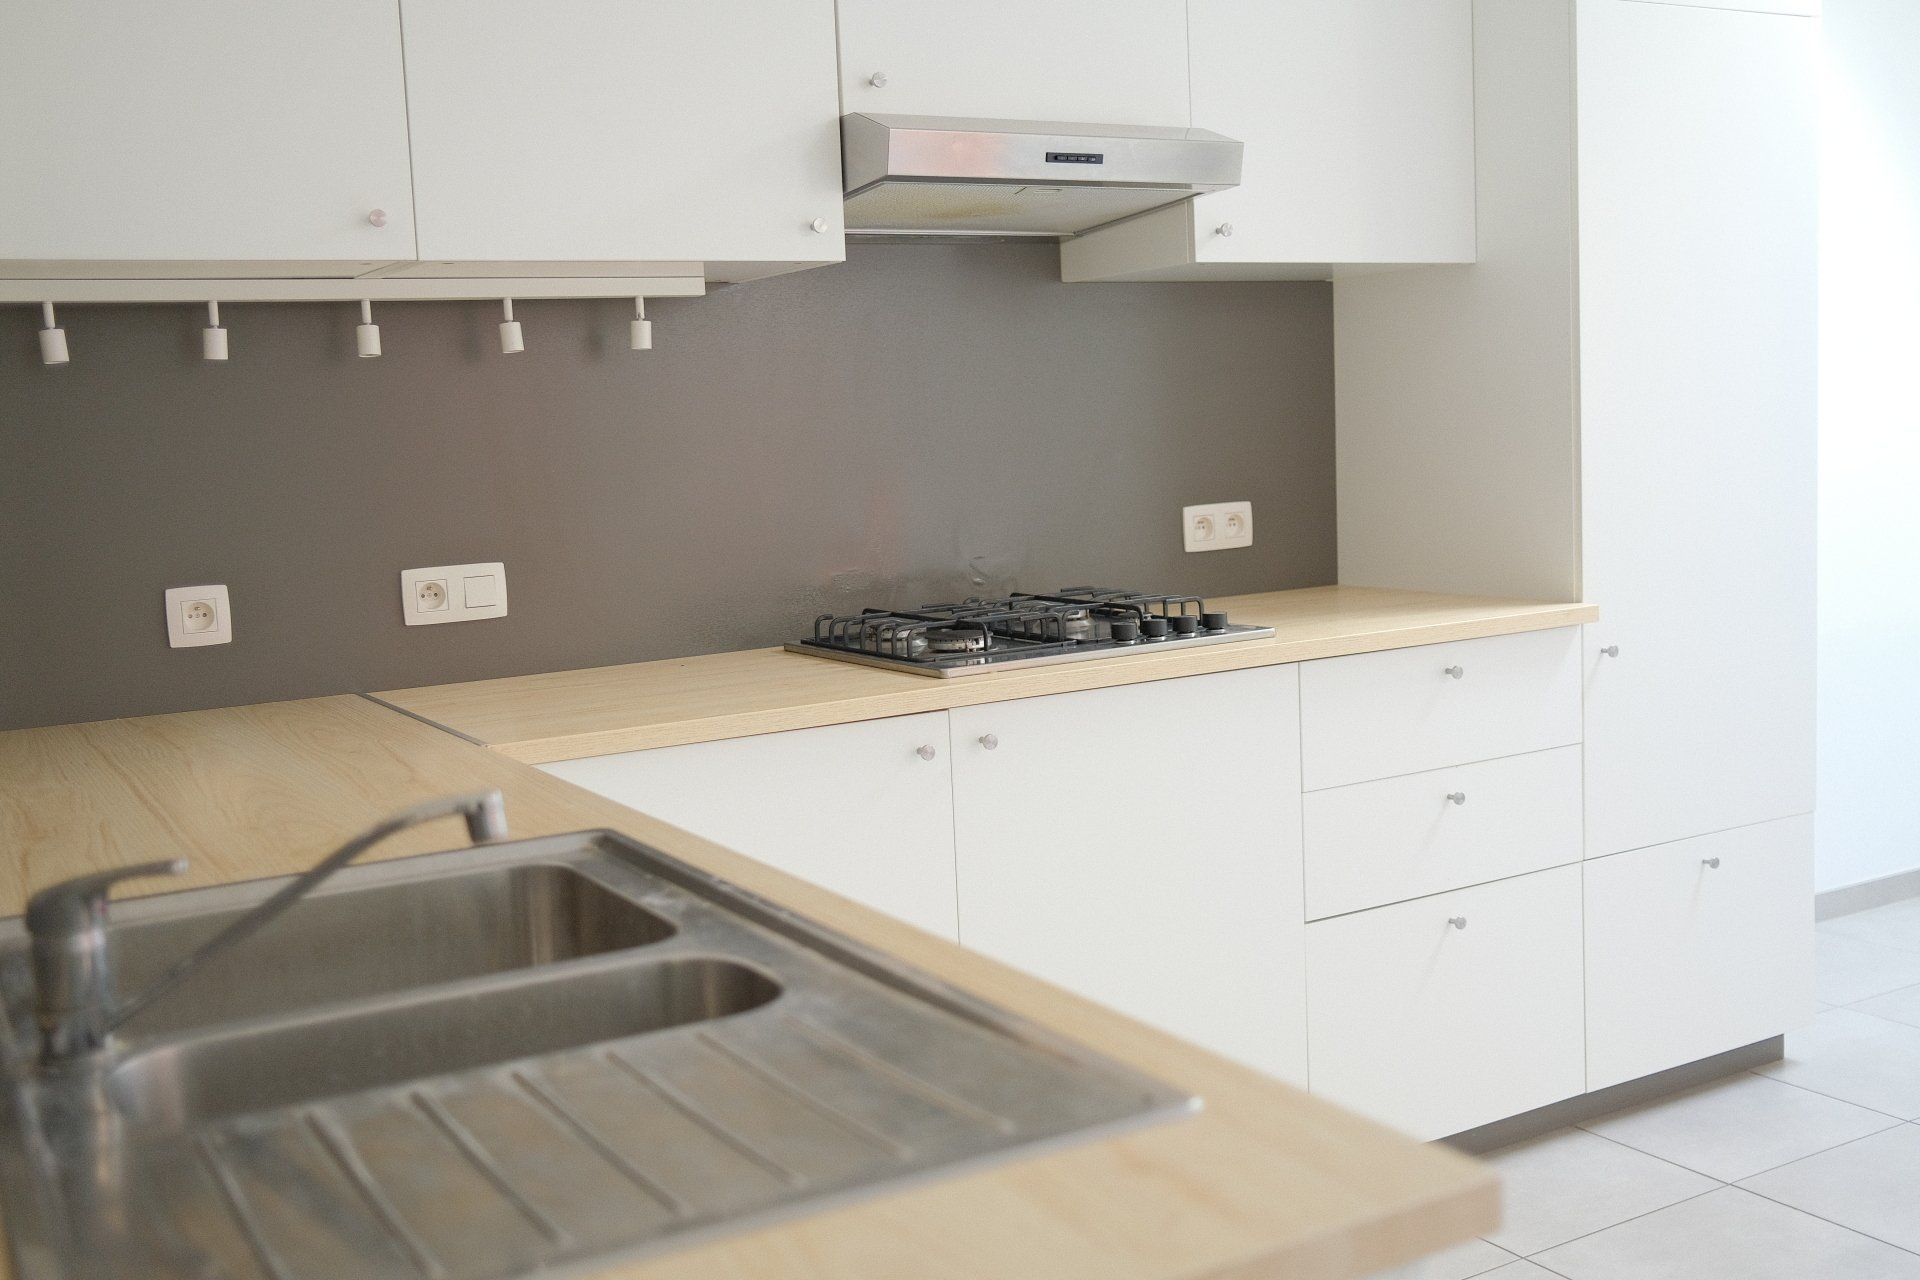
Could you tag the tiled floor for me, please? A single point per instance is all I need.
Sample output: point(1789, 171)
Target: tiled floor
point(1805, 1169)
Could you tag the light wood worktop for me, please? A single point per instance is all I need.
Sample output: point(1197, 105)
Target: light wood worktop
point(564, 715)
point(1264, 1182)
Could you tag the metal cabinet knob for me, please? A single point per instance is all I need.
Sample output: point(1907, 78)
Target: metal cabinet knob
point(1458, 922)
point(1458, 797)
point(1224, 229)
point(926, 752)
point(1712, 864)
point(1456, 672)
point(1611, 651)
point(990, 740)
point(878, 79)
point(378, 217)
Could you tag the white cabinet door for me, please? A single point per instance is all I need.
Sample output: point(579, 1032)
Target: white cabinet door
point(1084, 61)
point(202, 131)
point(865, 810)
point(1697, 947)
point(1358, 120)
point(607, 131)
point(1141, 846)
point(1697, 340)
point(1435, 1029)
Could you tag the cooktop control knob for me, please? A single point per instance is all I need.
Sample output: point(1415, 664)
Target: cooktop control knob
point(1186, 624)
point(1214, 621)
point(1126, 632)
point(1155, 628)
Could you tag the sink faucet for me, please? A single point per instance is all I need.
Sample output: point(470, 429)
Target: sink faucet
point(72, 970)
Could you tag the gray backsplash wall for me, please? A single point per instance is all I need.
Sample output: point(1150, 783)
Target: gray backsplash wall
point(887, 431)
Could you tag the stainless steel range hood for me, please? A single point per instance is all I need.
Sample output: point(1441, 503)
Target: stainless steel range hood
point(943, 175)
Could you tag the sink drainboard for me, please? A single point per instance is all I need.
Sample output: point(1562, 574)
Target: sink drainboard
point(744, 1064)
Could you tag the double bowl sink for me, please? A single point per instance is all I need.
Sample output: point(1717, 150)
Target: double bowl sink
point(545, 1056)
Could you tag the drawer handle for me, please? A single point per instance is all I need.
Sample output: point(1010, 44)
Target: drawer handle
point(1711, 864)
point(1610, 651)
point(1458, 797)
point(925, 753)
point(990, 740)
point(1456, 672)
point(1458, 922)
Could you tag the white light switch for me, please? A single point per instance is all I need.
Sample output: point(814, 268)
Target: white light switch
point(453, 593)
point(197, 616)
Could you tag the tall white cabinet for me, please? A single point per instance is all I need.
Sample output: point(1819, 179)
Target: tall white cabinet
point(1617, 402)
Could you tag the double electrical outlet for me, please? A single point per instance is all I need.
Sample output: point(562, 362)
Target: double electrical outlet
point(1218, 526)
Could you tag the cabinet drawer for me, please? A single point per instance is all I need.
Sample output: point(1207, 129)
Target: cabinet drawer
point(1397, 838)
point(1435, 1029)
point(1686, 959)
point(1377, 715)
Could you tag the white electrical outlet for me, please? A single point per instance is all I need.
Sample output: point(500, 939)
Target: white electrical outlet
point(453, 593)
point(1217, 526)
point(197, 616)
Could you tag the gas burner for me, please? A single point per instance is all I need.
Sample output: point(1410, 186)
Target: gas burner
point(956, 640)
point(1024, 629)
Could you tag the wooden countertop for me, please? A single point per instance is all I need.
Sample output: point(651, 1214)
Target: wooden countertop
point(1264, 1182)
point(564, 715)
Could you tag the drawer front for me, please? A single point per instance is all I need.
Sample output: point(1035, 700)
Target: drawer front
point(1686, 959)
point(1378, 715)
point(1377, 842)
point(1434, 1029)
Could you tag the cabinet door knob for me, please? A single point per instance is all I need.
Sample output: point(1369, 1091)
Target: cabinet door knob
point(1456, 672)
point(378, 217)
point(1458, 922)
point(878, 79)
point(819, 225)
point(1224, 229)
point(1712, 864)
point(1611, 651)
point(926, 752)
point(1458, 797)
point(989, 740)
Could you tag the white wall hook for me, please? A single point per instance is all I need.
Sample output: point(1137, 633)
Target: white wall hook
point(213, 339)
point(53, 339)
point(511, 339)
point(640, 329)
point(366, 335)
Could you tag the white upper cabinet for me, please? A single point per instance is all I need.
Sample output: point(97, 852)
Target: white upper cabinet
point(1358, 124)
point(608, 132)
point(1697, 384)
point(1165, 881)
point(1083, 61)
point(202, 137)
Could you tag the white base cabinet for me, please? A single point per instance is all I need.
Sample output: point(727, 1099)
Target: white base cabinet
point(864, 809)
point(1141, 846)
point(1450, 1011)
point(1697, 947)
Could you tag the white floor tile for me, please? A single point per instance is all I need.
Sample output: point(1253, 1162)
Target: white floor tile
point(1872, 1185)
point(1569, 1183)
point(1849, 968)
point(1474, 1258)
point(1895, 925)
point(1730, 1234)
point(1857, 1058)
point(1901, 1006)
point(1521, 1271)
point(1736, 1127)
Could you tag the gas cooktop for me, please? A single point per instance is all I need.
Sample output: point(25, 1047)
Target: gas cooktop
point(1073, 624)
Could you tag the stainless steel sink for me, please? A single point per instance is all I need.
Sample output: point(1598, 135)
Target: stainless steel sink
point(543, 1056)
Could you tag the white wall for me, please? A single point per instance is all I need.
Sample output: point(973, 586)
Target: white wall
point(1869, 720)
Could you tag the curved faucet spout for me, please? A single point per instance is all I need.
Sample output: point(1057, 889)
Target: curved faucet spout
point(73, 978)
